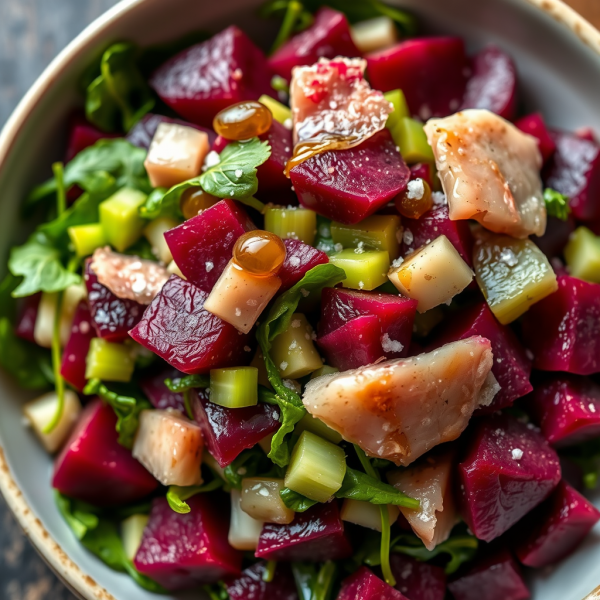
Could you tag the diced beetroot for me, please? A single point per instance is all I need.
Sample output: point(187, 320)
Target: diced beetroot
point(271, 177)
point(27, 317)
point(418, 580)
point(493, 85)
point(422, 171)
point(95, 468)
point(535, 125)
point(511, 367)
point(299, 260)
point(328, 37)
point(495, 577)
point(563, 330)
point(177, 328)
point(432, 72)
point(509, 469)
point(436, 222)
point(586, 133)
point(219, 144)
point(159, 394)
point(206, 78)
point(75, 352)
point(567, 408)
point(82, 135)
point(203, 245)
point(364, 585)
point(554, 529)
point(229, 431)
point(349, 185)
point(250, 585)
point(313, 536)
point(181, 551)
point(112, 317)
point(143, 131)
point(575, 172)
point(557, 234)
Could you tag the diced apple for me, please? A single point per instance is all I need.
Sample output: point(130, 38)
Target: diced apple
point(366, 514)
point(261, 500)
point(244, 531)
point(132, 531)
point(374, 34)
point(170, 447)
point(155, 234)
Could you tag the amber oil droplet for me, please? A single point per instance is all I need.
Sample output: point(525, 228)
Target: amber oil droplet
point(195, 200)
point(413, 204)
point(260, 253)
point(243, 121)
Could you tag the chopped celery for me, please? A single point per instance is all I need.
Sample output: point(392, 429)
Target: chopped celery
point(366, 514)
point(317, 468)
point(132, 530)
point(410, 137)
point(109, 361)
point(582, 254)
point(86, 238)
point(280, 112)
point(262, 501)
point(512, 274)
point(316, 426)
point(120, 219)
point(155, 234)
point(364, 270)
point(378, 232)
point(294, 223)
point(234, 387)
point(294, 352)
point(396, 97)
point(324, 370)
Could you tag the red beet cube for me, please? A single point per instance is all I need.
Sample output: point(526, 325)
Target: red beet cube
point(496, 577)
point(27, 317)
point(75, 352)
point(177, 328)
point(554, 529)
point(364, 585)
point(95, 468)
point(271, 177)
point(328, 37)
point(349, 185)
point(250, 585)
point(112, 316)
point(82, 135)
point(432, 72)
point(159, 394)
point(567, 408)
point(563, 330)
point(422, 171)
point(509, 469)
point(493, 84)
point(418, 580)
point(313, 536)
point(575, 172)
point(182, 551)
point(511, 366)
point(299, 260)
point(535, 125)
point(208, 77)
point(229, 431)
point(203, 245)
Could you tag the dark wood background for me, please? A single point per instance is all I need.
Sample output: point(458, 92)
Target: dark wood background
point(32, 32)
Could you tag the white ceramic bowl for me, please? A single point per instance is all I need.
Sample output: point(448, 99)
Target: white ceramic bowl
point(558, 57)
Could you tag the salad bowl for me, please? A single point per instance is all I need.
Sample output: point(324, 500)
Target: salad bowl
point(557, 55)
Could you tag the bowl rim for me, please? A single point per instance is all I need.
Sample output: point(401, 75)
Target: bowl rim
point(70, 573)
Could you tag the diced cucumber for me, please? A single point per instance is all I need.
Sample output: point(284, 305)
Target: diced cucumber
point(378, 232)
point(132, 530)
point(234, 387)
point(317, 468)
point(397, 98)
point(261, 500)
point(155, 234)
point(109, 361)
point(280, 112)
point(294, 223)
point(582, 254)
point(316, 426)
point(86, 238)
point(120, 219)
point(410, 137)
point(364, 270)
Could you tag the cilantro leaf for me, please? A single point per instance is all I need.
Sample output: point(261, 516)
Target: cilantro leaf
point(177, 495)
point(557, 204)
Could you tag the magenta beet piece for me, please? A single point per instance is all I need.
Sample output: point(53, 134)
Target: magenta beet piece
point(535, 125)
point(349, 185)
point(315, 535)
point(422, 171)
point(159, 394)
point(250, 585)
point(563, 330)
point(555, 529)
point(586, 133)
point(436, 222)
point(328, 37)
point(493, 84)
point(364, 585)
point(95, 468)
point(557, 234)
point(112, 317)
point(27, 317)
point(575, 172)
point(418, 580)
point(219, 144)
point(177, 328)
point(432, 72)
point(271, 177)
point(182, 551)
point(206, 78)
point(495, 577)
point(511, 366)
point(509, 469)
point(75, 352)
point(203, 245)
point(567, 408)
point(229, 431)
point(82, 135)
point(299, 260)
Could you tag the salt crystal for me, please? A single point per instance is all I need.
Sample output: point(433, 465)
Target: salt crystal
point(517, 453)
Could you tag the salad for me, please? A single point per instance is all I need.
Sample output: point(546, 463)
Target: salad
point(315, 323)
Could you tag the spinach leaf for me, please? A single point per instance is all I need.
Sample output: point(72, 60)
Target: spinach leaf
point(249, 463)
point(295, 501)
point(8, 306)
point(557, 204)
point(313, 584)
point(188, 382)
point(177, 495)
point(80, 516)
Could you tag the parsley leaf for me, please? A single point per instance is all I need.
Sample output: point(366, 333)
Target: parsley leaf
point(177, 495)
point(557, 204)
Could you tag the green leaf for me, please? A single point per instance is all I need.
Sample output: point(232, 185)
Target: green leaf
point(8, 305)
point(312, 584)
point(557, 204)
point(249, 463)
point(587, 457)
point(295, 501)
point(80, 516)
point(216, 591)
point(177, 495)
point(183, 384)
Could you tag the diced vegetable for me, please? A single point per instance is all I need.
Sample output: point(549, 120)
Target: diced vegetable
point(582, 254)
point(244, 531)
point(155, 234)
point(366, 514)
point(293, 222)
point(75, 353)
point(365, 585)
point(120, 218)
point(251, 584)
point(261, 500)
point(534, 125)
point(316, 426)
point(396, 97)
point(299, 260)
point(418, 580)
point(234, 387)
point(378, 232)
point(132, 530)
point(365, 270)
point(86, 238)
point(410, 136)
point(108, 361)
point(374, 34)
point(281, 113)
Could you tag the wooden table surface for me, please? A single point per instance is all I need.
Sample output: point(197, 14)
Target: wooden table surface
point(32, 32)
